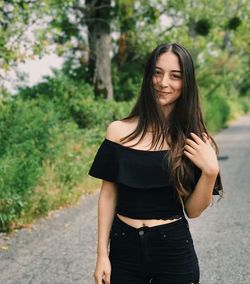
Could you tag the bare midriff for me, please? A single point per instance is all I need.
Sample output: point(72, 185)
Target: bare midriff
point(136, 223)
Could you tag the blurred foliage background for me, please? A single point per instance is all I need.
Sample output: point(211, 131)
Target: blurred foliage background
point(50, 132)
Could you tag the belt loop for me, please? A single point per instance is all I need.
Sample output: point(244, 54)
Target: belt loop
point(187, 224)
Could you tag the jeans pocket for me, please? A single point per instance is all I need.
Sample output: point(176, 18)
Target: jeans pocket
point(179, 238)
point(120, 241)
point(118, 233)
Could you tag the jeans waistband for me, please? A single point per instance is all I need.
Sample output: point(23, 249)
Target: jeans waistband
point(169, 226)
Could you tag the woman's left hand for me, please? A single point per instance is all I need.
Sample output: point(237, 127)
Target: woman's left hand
point(202, 154)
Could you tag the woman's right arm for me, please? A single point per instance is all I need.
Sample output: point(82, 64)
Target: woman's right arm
point(106, 211)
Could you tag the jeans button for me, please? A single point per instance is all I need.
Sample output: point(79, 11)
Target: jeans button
point(141, 233)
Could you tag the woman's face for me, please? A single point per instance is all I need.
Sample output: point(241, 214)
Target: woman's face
point(167, 80)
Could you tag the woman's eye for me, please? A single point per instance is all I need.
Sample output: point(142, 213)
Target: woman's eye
point(157, 72)
point(175, 76)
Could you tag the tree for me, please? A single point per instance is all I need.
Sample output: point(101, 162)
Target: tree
point(98, 21)
point(16, 17)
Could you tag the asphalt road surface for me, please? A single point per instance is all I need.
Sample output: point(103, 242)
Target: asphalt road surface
point(61, 249)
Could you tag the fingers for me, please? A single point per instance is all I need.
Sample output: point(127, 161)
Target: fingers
point(205, 135)
point(98, 279)
point(189, 149)
point(206, 138)
point(187, 154)
point(191, 143)
point(107, 278)
point(191, 146)
point(196, 138)
point(102, 279)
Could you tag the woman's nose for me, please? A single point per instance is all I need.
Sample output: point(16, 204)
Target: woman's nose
point(164, 82)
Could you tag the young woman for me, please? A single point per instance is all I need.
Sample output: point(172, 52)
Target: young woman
point(156, 164)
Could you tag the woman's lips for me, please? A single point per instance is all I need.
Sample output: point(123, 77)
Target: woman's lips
point(160, 93)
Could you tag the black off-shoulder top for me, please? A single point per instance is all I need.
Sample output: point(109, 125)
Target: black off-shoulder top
point(142, 179)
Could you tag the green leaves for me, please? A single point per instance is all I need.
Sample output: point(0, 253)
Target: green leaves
point(234, 23)
point(202, 27)
point(16, 17)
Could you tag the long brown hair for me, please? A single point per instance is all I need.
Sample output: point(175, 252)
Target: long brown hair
point(185, 117)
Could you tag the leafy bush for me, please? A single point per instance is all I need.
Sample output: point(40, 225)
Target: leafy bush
point(75, 102)
point(127, 80)
point(43, 160)
point(24, 130)
point(216, 109)
point(90, 113)
point(44, 153)
point(63, 92)
point(245, 104)
point(238, 106)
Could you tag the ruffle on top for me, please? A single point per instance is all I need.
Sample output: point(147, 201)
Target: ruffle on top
point(132, 167)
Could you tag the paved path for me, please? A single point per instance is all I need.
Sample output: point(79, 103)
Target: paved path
point(61, 249)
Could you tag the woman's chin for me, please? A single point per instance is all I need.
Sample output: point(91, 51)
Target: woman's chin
point(163, 100)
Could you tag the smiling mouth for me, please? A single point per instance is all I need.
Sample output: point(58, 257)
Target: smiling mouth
point(160, 93)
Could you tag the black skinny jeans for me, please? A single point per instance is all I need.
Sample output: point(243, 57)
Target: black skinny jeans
point(162, 254)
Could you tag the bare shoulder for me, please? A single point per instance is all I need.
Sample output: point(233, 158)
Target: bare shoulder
point(112, 132)
point(120, 128)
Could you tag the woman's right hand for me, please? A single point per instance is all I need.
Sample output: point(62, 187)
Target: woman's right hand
point(103, 270)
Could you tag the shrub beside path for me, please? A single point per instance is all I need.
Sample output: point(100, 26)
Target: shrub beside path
point(61, 249)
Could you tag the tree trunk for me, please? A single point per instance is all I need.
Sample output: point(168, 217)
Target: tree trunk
point(100, 46)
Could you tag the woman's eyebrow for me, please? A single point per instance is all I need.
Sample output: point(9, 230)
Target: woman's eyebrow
point(157, 67)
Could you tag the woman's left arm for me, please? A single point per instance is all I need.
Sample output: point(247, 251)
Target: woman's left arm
point(204, 157)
